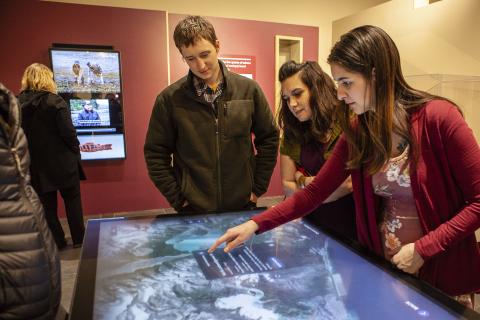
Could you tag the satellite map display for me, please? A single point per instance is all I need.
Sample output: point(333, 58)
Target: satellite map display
point(160, 269)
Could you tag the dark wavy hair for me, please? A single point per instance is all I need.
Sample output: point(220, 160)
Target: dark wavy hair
point(369, 50)
point(323, 102)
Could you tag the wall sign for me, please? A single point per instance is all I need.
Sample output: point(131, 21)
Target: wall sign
point(243, 65)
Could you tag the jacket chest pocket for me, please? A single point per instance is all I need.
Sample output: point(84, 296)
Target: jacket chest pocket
point(238, 117)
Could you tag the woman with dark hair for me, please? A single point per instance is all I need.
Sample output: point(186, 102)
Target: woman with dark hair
point(415, 168)
point(310, 131)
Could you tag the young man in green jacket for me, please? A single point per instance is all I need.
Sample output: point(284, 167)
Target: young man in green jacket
point(205, 122)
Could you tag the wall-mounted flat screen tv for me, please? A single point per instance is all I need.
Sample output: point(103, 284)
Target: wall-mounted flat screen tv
point(90, 82)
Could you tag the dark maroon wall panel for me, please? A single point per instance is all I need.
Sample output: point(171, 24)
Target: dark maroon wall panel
point(28, 30)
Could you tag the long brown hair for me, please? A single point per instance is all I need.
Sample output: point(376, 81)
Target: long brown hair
point(370, 51)
point(323, 102)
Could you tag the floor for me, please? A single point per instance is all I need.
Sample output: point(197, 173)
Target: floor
point(69, 256)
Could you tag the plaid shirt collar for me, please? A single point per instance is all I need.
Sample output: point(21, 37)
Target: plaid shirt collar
point(202, 89)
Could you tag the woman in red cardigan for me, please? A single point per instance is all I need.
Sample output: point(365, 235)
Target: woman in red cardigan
point(415, 168)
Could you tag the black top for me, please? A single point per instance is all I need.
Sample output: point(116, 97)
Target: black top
point(52, 141)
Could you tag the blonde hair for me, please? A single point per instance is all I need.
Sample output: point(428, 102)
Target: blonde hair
point(38, 77)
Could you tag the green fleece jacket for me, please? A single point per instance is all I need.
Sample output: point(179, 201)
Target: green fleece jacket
point(215, 165)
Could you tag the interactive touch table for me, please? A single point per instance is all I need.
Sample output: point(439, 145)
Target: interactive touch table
point(158, 268)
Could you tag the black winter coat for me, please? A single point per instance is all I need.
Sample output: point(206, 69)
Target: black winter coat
point(29, 264)
point(52, 141)
point(215, 164)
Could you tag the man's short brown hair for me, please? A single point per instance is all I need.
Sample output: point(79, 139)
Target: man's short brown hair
point(191, 29)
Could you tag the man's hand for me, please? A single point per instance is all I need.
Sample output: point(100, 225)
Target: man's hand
point(408, 259)
point(235, 236)
point(253, 197)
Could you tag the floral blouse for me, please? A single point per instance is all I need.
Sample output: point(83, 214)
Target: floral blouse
point(398, 223)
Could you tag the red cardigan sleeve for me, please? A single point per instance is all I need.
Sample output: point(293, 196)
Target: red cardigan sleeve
point(463, 157)
point(329, 178)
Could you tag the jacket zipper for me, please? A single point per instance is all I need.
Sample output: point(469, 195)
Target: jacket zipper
point(17, 162)
point(27, 191)
point(217, 141)
point(217, 136)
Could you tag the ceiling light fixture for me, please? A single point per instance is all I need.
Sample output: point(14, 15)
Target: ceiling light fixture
point(422, 3)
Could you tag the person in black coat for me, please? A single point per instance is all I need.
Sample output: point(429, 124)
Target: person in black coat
point(30, 285)
point(54, 150)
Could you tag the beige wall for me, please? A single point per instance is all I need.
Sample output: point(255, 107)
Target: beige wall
point(319, 13)
point(441, 38)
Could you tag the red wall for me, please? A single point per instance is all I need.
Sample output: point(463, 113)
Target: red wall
point(253, 38)
point(28, 30)
point(30, 27)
